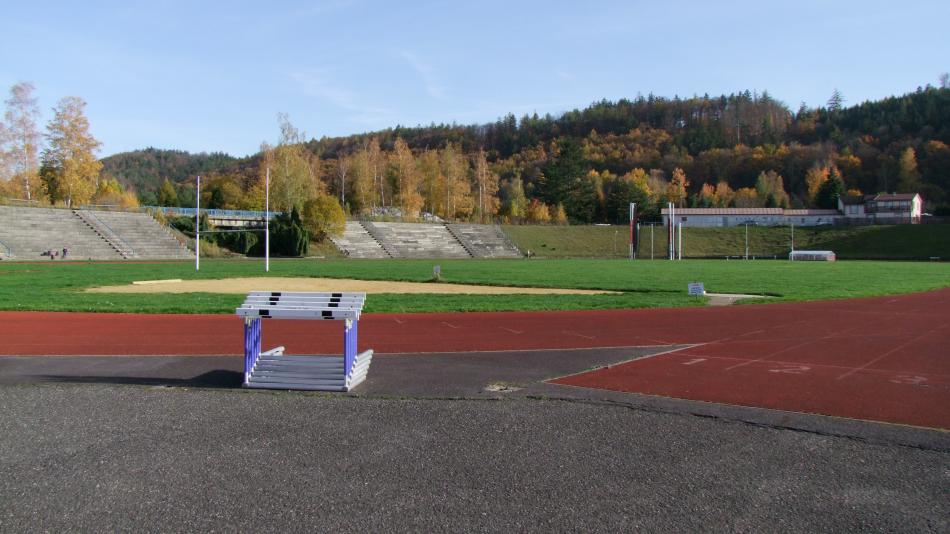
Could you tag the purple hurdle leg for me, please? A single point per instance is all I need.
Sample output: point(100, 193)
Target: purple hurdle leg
point(252, 345)
point(349, 345)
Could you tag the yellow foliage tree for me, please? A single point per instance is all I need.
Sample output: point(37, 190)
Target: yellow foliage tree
point(747, 197)
point(676, 189)
point(323, 216)
point(407, 180)
point(70, 156)
point(538, 212)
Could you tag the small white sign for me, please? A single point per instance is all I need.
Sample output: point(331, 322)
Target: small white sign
point(696, 289)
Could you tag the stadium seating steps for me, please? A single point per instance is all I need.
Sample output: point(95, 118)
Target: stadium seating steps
point(420, 240)
point(28, 233)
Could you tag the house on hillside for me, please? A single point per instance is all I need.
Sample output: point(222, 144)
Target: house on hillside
point(721, 217)
point(888, 208)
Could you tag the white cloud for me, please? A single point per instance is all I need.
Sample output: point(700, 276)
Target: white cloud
point(317, 85)
point(429, 79)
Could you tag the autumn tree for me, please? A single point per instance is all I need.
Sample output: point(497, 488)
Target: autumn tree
point(771, 190)
point(676, 190)
point(430, 171)
point(72, 170)
point(362, 181)
point(516, 204)
point(538, 212)
point(323, 217)
point(724, 196)
point(907, 175)
point(375, 160)
point(631, 187)
point(407, 180)
point(22, 139)
point(342, 166)
point(167, 195)
point(814, 178)
point(458, 190)
point(293, 177)
point(705, 197)
point(746, 197)
point(486, 183)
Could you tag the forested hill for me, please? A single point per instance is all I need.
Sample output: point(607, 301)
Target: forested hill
point(146, 169)
point(682, 149)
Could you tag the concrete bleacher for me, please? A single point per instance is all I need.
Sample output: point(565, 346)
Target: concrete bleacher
point(356, 242)
point(29, 232)
point(484, 240)
point(147, 238)
point(416, 240)
point(26, 233)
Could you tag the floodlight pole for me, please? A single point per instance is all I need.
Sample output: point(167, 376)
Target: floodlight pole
point(198, 224)
point(793, 237)
point(680, 240)
point(633, 229)
point(747, 240)
point(267, 221)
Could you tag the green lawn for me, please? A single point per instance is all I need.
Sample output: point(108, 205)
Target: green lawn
point(59, 286)
point(901, 242)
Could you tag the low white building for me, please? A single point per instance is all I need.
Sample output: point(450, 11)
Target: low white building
point(721, 217)
point(893, 208)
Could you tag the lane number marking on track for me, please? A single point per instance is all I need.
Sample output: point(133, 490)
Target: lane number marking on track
point(792, 369)
point(517, 332)
point(912, 380)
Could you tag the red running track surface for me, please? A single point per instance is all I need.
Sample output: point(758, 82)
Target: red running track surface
point(876, 359)
point(882, 358)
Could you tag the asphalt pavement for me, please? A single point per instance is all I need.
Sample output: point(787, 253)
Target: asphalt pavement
point(155, 445)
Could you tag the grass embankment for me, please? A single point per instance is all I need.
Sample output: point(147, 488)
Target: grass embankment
point(899, 242)
point(59, 286)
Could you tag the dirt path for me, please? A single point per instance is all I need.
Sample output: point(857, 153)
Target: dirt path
point(244, 285)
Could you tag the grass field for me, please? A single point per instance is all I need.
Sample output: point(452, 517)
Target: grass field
point(902, 242)
point(59, 286)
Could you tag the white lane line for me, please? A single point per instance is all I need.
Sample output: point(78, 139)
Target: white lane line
point(512, 330)
point(398, 321)
point(892, 351)
point(752, 333)
point(570, 332)
point(450, 325)
point(796, 346)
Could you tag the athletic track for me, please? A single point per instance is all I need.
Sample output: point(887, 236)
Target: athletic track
point(881, 359)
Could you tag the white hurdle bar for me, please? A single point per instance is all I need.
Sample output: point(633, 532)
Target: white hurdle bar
point(304, 305)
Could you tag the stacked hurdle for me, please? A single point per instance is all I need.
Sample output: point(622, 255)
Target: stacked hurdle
point(273, 370)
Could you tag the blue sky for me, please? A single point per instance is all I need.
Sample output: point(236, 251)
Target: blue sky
point(203, 76)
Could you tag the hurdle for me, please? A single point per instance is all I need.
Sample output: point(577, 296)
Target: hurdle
point(271, 369)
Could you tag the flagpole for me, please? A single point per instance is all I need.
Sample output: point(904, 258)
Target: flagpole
point(198, 224)
point(267, 221)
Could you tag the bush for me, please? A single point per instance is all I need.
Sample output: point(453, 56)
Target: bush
point(287, 237)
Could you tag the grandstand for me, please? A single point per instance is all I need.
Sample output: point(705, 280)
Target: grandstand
point(29, 233)
point(484, 240)
point(356, 242)
point(424, 240)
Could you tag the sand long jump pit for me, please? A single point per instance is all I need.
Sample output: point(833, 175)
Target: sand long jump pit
point(246, 285)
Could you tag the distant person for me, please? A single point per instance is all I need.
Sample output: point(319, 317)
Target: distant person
point(50, 254)
point(65, 252)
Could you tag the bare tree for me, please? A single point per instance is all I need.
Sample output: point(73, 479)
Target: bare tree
point(23, 138)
